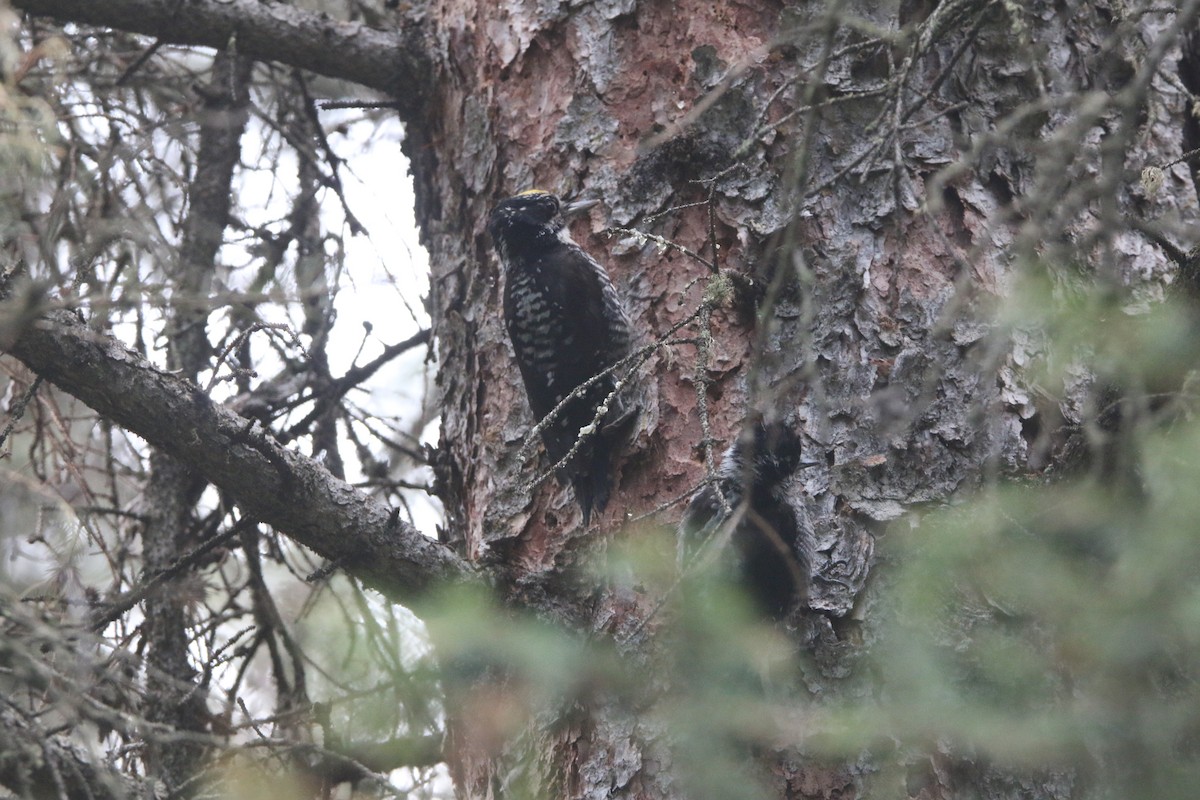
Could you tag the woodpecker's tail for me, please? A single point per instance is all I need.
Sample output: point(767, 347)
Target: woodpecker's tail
point(592, 480)
point(592, 477)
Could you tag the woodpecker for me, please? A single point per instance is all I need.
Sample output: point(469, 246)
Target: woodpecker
point(769, 546)
point(567, 324)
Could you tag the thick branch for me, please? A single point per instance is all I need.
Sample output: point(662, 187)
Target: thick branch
point(394, 62)
point(270, 482)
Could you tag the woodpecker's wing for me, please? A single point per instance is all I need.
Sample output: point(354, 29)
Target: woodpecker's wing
point(566, 322)
point(588, 297)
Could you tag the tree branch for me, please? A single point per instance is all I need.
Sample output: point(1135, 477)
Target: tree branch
point(282, 488)
point(394, 62)
point(38, 766)
point(359, 760)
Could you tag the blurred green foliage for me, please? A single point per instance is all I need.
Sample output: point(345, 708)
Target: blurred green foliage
point(27, 124)
point(1051, 626)
point(1045, 626)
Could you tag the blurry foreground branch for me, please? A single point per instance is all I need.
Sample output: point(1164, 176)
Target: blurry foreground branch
point(40, 766)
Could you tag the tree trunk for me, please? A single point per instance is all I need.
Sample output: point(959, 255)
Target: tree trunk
point(872, 274)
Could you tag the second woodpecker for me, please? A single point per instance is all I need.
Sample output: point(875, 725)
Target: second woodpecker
point(770, 546)
point(567, 325)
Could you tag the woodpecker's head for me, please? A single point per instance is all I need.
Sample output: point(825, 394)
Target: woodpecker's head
point(531, 220)
point(771, 450)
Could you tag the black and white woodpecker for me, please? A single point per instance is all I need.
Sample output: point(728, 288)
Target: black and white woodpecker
point(567, 325)
point(768, 549)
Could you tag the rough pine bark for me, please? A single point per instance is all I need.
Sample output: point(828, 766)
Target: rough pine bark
point(825, 151)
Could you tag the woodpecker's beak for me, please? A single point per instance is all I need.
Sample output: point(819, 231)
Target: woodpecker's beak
point(577, 207)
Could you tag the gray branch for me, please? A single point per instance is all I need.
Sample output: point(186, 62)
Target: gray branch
point(395, 62)
point(284, 489)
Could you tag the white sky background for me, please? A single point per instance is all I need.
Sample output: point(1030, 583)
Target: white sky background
point(387, 282)
point(385, 279)
point(386, 271)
